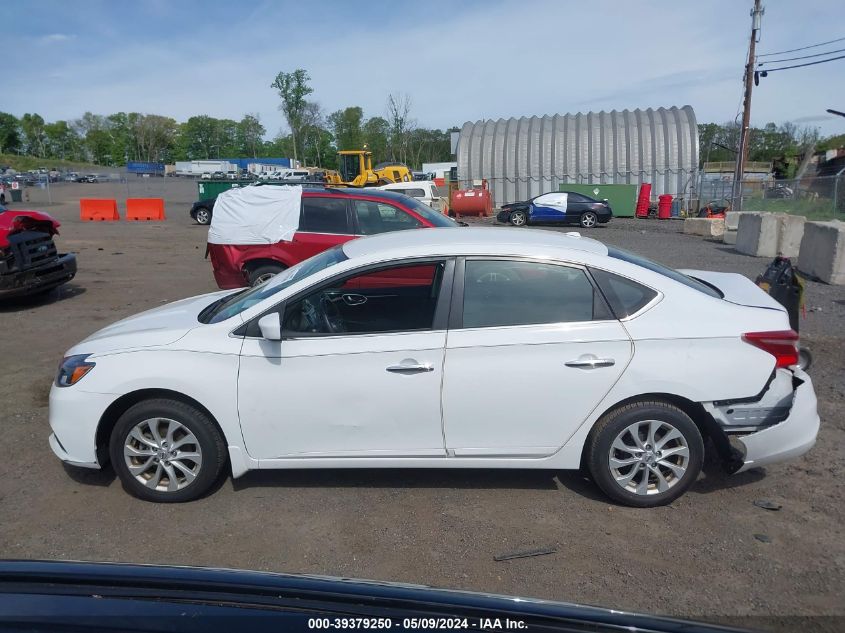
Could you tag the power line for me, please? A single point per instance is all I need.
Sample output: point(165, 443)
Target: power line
point(821, 61)
point(803, 48)
point(792, 59)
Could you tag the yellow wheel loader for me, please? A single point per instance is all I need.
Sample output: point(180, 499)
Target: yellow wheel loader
point(356, 170)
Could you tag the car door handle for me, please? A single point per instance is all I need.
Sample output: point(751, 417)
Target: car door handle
point(410, 366)
point(590, 363)
point(354, 299)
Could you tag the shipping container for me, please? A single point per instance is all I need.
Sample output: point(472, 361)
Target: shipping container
point(140, 168)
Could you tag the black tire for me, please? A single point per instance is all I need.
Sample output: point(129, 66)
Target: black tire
point(208, 438)
point(203, 216)
point(521, 218)
point(588, 220)
point(597, 453)
point(262, 273)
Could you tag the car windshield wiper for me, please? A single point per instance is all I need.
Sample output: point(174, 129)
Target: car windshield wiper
point(209, 311)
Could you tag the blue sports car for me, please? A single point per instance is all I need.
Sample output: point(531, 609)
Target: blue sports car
point(564, 207)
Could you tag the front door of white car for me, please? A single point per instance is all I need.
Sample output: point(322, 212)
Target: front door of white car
point(357, 374)
point(533, 351)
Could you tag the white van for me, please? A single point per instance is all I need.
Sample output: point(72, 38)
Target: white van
point(423, 190)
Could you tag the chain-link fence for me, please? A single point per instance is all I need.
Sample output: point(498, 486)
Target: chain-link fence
point(816, 198)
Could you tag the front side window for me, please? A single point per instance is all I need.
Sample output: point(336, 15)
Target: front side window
point(504, 293)
point(396, 299)
point(324, 215)
point(377, 217)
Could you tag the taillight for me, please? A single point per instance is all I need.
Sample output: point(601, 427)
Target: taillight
point(783, 345)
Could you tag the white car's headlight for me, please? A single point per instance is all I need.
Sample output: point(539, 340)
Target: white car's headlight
point(72, 369)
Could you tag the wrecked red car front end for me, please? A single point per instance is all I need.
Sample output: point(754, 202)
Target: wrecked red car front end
point(29, 260)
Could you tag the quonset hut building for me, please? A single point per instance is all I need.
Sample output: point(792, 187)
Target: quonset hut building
point(522, 158)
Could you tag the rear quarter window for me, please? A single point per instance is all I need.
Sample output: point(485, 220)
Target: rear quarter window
point(625, 296)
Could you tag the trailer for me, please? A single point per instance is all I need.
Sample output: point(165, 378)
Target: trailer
point(140, 168)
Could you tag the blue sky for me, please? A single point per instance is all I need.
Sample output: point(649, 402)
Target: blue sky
point(458, 61)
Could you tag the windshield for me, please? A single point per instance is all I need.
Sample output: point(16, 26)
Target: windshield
point(236, 303)
point(688, 281)
point(420, 208)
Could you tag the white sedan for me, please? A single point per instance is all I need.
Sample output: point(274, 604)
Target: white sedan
point(444, 348)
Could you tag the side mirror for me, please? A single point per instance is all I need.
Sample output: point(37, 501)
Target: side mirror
point(271, 326)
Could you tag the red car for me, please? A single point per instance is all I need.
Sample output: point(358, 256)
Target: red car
point(29, 261)
point(243, 241)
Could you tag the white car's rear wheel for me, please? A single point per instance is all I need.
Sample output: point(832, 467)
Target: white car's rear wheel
point(588, 219)
point(166, 450)
point(645, 454)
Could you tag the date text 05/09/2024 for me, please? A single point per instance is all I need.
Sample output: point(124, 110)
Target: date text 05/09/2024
point(412, 624)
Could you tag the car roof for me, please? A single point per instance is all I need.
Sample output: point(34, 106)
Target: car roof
point(349, 192)
point(472, 240)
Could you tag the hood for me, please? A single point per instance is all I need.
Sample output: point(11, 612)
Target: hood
point(153, 328)
point(737, 289)
point(13, 221)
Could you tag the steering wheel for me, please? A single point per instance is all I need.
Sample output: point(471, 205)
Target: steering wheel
point(331, 316)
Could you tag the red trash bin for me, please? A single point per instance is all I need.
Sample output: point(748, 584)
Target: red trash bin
point(664, 207)
point(643, 200)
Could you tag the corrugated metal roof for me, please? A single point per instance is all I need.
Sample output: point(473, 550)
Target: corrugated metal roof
point(522, 158)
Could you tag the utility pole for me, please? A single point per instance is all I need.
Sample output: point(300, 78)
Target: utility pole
point(742, 158)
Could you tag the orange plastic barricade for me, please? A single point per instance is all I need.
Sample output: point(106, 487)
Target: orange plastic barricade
point(98, 209)
point(145, 209)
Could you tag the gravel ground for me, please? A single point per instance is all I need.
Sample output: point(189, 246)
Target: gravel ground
point(696, 558)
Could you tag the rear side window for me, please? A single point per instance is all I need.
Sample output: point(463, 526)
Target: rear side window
point(324, 215)
point(660, 269)
point(502, 293)
point(626, 297)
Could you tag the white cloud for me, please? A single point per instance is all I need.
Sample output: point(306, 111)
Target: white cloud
point(55, 38)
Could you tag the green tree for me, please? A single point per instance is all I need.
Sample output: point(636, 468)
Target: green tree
point(33, 131)
point(198, 137)
point(375, 136)
point(250, 134)
point(293, 88)
point(346, 125)
point(10, 138)
point(61, 140)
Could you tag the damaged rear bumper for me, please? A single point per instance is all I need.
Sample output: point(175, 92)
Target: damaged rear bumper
point(791, 422)
point(793, 437)
point(45, 277)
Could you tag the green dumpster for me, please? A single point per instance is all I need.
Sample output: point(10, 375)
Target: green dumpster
point(17, 195)
point(208, 189)
point(622, 198)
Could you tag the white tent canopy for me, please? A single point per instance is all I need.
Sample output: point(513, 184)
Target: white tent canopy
point(256, 214)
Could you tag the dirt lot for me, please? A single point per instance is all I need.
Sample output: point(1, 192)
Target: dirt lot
point(696, 558)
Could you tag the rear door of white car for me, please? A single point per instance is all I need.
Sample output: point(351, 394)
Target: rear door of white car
point(532, 349)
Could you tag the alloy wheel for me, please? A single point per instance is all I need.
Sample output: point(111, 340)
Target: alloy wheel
point(588, 220)
point(203, 216)
point(162, 454)
point(648, 457)
point(518, 218)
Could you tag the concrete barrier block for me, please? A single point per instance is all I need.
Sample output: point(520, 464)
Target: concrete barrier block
point(732, 219)
point(706, 227)
point(729, 237)
point(757, 234)
point(823, 251)
point(790, 233)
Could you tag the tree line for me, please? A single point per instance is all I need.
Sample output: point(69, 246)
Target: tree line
point(313, 136)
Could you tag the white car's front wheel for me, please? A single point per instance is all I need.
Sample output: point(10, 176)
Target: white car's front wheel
point(166, 450)
point(645, 454)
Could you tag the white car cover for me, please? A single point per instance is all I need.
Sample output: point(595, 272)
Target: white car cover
point(256, 214)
